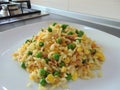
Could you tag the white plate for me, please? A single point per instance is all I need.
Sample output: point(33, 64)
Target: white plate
point(12, 77)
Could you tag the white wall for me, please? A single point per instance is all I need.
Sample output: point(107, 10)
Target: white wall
point(104, 8)
point(59, 4)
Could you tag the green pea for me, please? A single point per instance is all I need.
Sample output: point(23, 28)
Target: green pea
point(54, 24)
point(80, 33)
point(49, 29)
point(70, 33)
point(43, 81)
point(29, 53)
point(43, 72)
point(69, 77)
point(27, 41)
point(41, 44)
point(23, 65)
point(39, 55)
point(56, 73)
point(76, 31)
point(71, 46)
point(64, 26)
point(59, 40)
point(56, 56)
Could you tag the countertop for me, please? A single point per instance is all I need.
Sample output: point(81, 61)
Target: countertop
point(56, 17)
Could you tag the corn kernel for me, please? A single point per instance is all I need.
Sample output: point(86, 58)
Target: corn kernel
point(32, 77)
point(41, 34)
point(63, 69)
point(79, 49)
point(100, 56)
point(50, 79)
point(67, 60)
point(74, 76)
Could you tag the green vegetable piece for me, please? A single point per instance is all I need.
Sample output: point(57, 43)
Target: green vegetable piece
point(43, 81)
point(41, 44)
point(59, 40)
point(71, 46)
point(29, 53)
point(62, 64)
point(76, 31)
point(70, 33)
point(64, 26)
point(54, 24)
point(27, 41)
point(69, 77)
point(39, 55)
point(23, 65)
point(56, 73)
point(56, 56)
point(80, 33)
point(43, 72)
point(49, 29)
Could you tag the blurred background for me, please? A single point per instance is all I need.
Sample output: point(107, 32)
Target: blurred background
point(105, 12)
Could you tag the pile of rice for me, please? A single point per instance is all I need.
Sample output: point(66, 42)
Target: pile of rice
point(58, 54)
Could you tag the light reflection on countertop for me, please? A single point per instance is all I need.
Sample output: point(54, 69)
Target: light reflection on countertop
point(3, 87)
point(10, 20)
